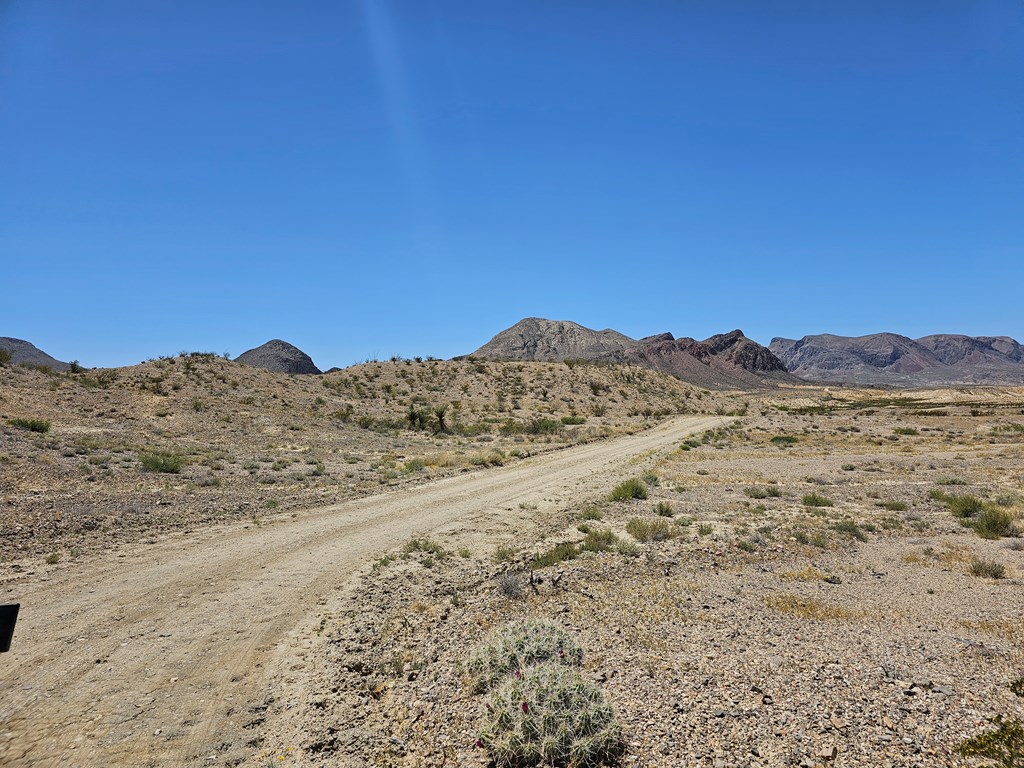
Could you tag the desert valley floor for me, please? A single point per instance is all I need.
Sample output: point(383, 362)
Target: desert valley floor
point(222, 566)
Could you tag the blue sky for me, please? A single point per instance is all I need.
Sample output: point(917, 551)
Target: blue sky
point(366, 178)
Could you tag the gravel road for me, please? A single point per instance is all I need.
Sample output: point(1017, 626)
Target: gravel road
point(158, 654)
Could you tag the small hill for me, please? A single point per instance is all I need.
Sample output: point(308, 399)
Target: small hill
point(888, 359)
point(725, 361)
point(25, 353)
point(539, 340)
point(280, 357)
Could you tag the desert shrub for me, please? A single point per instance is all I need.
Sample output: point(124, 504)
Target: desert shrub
point(905, 431)
point(549, 715)
point(574, 419)
point(633, 488)
point(1005, 744)
point(169, 463)
point(705, 529)
point(756, 492)
point(39, 368)
point(516, 646)
point(893, 506)
point(426, 546)
point(5, 358)
point(816, 500)
point(509, 585)
point(964, 506)
point(784, 441)
point(655, 529)
point(32, 425)
point(555, 555)
point(599, 541)
point(663, 508)
point(535, 427)
point(591, 513)
point(987, 569)
point(850, 528)
point(994, 523)
point(504, 553)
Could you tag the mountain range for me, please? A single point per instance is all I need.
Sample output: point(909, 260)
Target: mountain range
point(724, 361)
point(888, 359)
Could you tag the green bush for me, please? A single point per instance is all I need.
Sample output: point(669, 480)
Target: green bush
point(425, 545)
point(656, 529)
point(994, 523)
point(516, 646)
point(893, 506)
point(850, 528)
point(784, 441)
point(574, 419)
point(5, 358)
point(32, 425)
point(170, 463)
point(987, 569)
point(905, 431)
point(549, 715)
point(964, 506)
point(664, 509)
point(817, 500)
point(555, 555)
point(633, 488)
point(599, 541)
point(755, 492)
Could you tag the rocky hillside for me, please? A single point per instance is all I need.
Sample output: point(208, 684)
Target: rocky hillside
point(279, 357)
point(179, 440)
point(25, 353)
point(539, 340)
point(894, 360)
point(725, 361)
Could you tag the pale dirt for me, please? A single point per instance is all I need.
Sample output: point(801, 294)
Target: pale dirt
point(160, 654)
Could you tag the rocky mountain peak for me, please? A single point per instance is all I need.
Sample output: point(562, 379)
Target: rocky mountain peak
point(280, 357)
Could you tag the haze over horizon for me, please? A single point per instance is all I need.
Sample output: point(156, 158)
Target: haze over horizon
point(371, 178)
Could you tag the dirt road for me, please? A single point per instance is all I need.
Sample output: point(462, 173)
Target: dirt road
point(157, 655)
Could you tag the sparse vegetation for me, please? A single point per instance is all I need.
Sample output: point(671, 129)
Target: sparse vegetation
point(987, 569)
point(651, 529)
point(32, 425)
point(169, 463)
point(629, 489)
point(816, 500)
point(850, 528)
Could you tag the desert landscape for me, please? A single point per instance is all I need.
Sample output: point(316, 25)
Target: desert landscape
point(223, 564)
point(511, 385)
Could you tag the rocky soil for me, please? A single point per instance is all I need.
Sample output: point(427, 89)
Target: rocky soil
point(767, 632)
point(794, 590)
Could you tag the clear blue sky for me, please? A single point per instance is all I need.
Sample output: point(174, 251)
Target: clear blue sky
point(375, 177)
